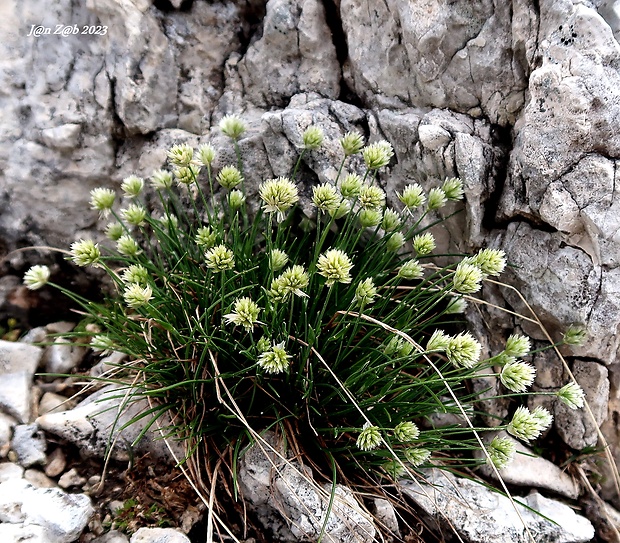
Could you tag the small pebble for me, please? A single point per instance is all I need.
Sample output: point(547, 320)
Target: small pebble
point(56, 463)
point(71, 478)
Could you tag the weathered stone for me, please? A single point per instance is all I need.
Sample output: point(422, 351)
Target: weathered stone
point(29, 445)
point(56, 463)
point(63, 356)
point(71, 478)
point(158, 535)
point(17, 533)
point(9, 470)
point(480, 515)
point(113, 536)
point(38, 478)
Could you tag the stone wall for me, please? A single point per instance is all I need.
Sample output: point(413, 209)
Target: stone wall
point(520, 98)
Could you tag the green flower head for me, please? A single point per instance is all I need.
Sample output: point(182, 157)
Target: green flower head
point(181, 155)
point(575, 335)
point(490, 261)
point(376, 155)
point(102, 344)
point(36, 277)
point(436, 198)
point(294, 280)
point(412, 196)
point(453, 188)
point(335, 265)
point(161, 180)
point(274, 360)
point(85, 253)
point(127, 246)
point(277, 259)
point(456, 306)
point(463, 350)
point(517, 346)
point(369, 438)
point(351, 185)
point(406, 432)
point(136, 273)
point(411, 270)
point(312, 138)
point(571, 395)
point(365, 292)
point(229, 177)
point(236, 199)
point(467, 278)
point(114, 231)
point(206, 155)
point(205, 237)
point(136, 296)
point(134, 214)
point(232, 126)
point(423, 244)
point(186, 175)
point(245, 313)
point(371, 197)
point(132, 186)
point(438, 342)
point(528, 426)
point(342, 209)
point(352, 143)
point(325, 197)
point(102, 200)
point(517, 376)
point(369, 218)
point(501, 451)
point(220, 258)
point(391, 220)
point(417, 456)
point(278, 195)
point(395, 242)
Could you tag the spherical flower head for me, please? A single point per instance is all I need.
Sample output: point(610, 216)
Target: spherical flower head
point(325, 197)
point(365, 292)
point(279, 196)
point(351, 185)
point(36, 277)
point(517, 346)
point(467, 278)
point(369, 218)
point(169, 222)
point(278, 292)
point(236, 199)
point(134, 214)
point(186, 175)
point(376, 155)
point(136, 296)
point(517, 376)
point(245, 313)
point(438, 342)
point(294, 280)
point(406, 432)
point(136, 273)
point(181, 155)
point(101, 343)
point(132, 186)
point(453, 188)
point(220, 258)
point(205, 237)
point(312, 138)
point(206, 155)
point(232, 126)
point(423, 244)
point(371, 197)
point(412, 196)
point(85, 252)
point(490, 261)
point(335, 265)
point(161, 180)
point(417, 456)
point(369, 438)
point(456, 306)
point(229, 177)
point(528, 426)
point(263, 344)
point(277, 259)
point(463, 350)
point(352, 143)
point(501, 451)
point(436, 198)
point(571, 395)
point(391, 220)
point(275, 360)
point(343, 208)
point(410, 270)
point(394, 469)
point(114, 231)
point(575, 335)
point(395, 242)
point(102, 200)
point(127, 246)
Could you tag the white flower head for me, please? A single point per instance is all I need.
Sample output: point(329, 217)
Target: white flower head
point(220, 258)
point(127, 246)
point(312, 138)
point(278, 195)
point(136, 296)
point(571, 395)
point(245, 313)
point(463, 350)
point(376, 155)
point(36, 277)
point(369, 438)
point(161, 180)
point(232, 126)
point(365, 292)
point(335, 265)
point(501, 451)
point(467, 278)
point(352, 143)
point(85, 252)
point(132, 186)
point(102, 200)
point(275, 360)
point(181, 155)
point(412, 196)
point(517, 376)
point(229, 177)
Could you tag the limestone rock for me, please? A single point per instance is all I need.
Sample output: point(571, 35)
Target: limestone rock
point(16, 533)
point(18, 362)
point(114, 536)
point(158, 535)
point(29, 445)
point(481, 516)
point(63, 356)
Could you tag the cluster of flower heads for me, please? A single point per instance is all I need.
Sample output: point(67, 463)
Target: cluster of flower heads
point(349, 193)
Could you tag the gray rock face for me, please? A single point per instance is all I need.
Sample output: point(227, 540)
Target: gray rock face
point(482, 516)
point(158, 535)
point(18, 362)
point(29, 445)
